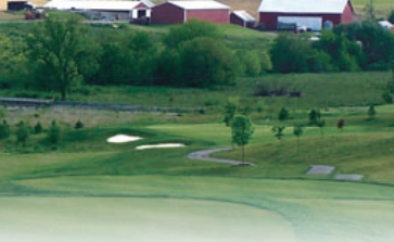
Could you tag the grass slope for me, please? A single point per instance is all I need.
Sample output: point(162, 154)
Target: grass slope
point(318, 91)
point(117, 191)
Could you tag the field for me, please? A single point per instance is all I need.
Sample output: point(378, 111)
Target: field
point(86, 189)
point(96, 191)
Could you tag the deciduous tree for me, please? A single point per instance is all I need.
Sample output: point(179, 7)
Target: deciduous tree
point(242, 131)
point(58, 51)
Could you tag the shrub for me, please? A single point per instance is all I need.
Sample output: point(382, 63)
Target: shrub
point(167, 69)
point(4, 130)
point(371, 111)
point(377, 43)
point(189, 31)
point(38, 128)
point(205, 63)
point(343, 53)
point(283, 114)
point(386, 96)
point(79, 125)
point(3, 112)
point(265, 62)
point(230, 110)
point(290, 54)
point(320, 61)
point(314, 116)
point(249, 63)
point(341, 124)
point(22, 133)
point(53, 134)
point(391, 17)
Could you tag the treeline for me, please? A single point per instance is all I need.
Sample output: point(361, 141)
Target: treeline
point(355, 47)
point(63, 54)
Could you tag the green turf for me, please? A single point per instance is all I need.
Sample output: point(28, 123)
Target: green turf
point(125, 219)
point(326, 211)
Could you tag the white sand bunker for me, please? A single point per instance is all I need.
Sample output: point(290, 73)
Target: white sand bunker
point(160, 146)
point(122, 138)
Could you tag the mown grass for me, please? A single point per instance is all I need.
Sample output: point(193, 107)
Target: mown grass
point(327, 211)
point(143, 219)
point(317, 208)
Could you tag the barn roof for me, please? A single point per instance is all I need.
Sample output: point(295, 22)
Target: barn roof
point(245, 16)
point(303, 6)
point(95, 5)
point(199, 5)
point(385, 23)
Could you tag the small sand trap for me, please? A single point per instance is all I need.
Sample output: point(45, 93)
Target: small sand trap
point(122, 138)
point(160, 146)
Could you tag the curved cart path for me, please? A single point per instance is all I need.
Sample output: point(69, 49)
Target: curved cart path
point(204, 155)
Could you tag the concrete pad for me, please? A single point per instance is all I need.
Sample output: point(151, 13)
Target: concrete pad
point(349, 177)
point(320, 170)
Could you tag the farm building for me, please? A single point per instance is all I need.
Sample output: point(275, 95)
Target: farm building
point(113, 10)
point(35, 3)
point(387, 25)
point(177, 12)
point(242, 18)
point(19, 5)
point(311, 14)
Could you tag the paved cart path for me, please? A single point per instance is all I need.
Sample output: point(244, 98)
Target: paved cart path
point(204, 155)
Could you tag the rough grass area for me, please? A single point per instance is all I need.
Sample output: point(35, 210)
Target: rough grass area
point(4, 16)
point(318, 91)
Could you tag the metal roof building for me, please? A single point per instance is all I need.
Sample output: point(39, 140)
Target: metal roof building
point(176, 12)
point(242, 18)
point(309, 13)
point(126, 9)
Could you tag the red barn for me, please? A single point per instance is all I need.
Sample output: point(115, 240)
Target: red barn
point(177, 12)
point(312, 14)
point(242, 18)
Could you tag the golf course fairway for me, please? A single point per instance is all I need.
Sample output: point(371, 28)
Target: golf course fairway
point(136, 219)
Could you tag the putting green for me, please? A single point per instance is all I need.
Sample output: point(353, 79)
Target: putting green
point(43, 219)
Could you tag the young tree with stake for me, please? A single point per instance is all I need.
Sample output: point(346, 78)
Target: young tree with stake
point(371, 112)
point(341, 124)
point(298, 131)
point(242, 131)
point(321, 123)
point(279, 132)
